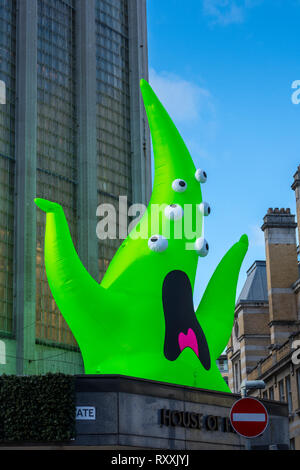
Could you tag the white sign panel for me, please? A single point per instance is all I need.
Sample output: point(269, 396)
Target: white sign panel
point(85, 412)
point(2, 352)
point(2, 92)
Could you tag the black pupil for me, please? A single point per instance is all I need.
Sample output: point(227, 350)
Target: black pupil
point(181, 183)
point(206, 246)
point(154, 239)
point(204, 174)
point(208, 210)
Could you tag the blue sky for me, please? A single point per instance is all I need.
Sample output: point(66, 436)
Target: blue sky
point(224, 71)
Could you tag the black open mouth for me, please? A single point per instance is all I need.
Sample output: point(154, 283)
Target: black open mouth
point(182, 327)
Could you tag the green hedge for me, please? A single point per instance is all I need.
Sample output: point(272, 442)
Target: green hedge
point(37, 408)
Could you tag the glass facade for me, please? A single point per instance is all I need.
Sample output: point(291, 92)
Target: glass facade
point(56, 144)
point(56, 139)
point(64, 47)
point(7, 160)
point(113, 112)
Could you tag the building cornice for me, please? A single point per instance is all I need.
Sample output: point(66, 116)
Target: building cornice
point(253, 303)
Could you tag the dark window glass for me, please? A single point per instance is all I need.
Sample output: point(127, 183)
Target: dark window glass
point(7, 160)
point(289, 393)
point(281, 391)
point(113, 112)
point(56, 144)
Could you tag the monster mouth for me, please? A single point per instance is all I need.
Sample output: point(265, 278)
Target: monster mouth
point(182, 327)
point(188, 341)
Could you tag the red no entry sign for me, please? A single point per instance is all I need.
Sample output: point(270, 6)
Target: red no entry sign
point(249, 417)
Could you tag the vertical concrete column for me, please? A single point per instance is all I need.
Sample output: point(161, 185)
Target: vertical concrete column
point(87, 142)
point(282, 271)
point(25, 184)
point(140, 133)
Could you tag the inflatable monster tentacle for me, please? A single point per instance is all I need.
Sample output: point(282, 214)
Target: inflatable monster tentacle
point(215, 311)
point(166, 142)
point(69, 281)
point(141, 320)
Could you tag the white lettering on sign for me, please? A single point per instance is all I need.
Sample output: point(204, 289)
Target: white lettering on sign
point(2, 92)
point(86, 412)
point(249, 417)
point(2, 352)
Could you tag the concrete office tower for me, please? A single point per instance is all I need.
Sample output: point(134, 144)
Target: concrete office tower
point(73, 130)
point(282, 271)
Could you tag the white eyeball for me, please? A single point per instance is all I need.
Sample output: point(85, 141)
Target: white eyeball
point(158, 243)
point(201, 247)
point(201, 176)
point(179, 185)
point(174, 212)
point(205, 208)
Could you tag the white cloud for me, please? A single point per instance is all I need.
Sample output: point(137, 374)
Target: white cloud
point(184, 100)
point(198, 151)
point(191, 107)
point(256, 236)
point(226, 12)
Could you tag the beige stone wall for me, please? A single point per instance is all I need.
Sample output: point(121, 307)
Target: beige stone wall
point(283, 306)
point(282, 273)
point(281, 264)
point(253, 349)
point(253, 338)
point(254, 320)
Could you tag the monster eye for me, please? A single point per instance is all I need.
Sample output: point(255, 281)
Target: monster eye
point(179, 185)
point(158, 243)
point(174, 212)
point(205, 208)
point(201, 247)
point(201, 176)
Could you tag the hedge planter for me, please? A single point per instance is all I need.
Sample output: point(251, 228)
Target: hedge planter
point(37, 408)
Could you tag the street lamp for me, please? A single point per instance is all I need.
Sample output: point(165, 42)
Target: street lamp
point(251, 385)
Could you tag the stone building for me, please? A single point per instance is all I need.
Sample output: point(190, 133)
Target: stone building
point(266, 335)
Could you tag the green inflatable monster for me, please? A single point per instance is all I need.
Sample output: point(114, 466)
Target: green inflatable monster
point(140, 321)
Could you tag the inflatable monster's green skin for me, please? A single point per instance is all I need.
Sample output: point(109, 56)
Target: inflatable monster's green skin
point(141, 321)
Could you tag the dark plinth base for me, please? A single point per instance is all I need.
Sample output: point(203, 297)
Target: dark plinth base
point(119, 412)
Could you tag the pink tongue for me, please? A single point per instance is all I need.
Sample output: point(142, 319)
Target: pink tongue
point(188, 341)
